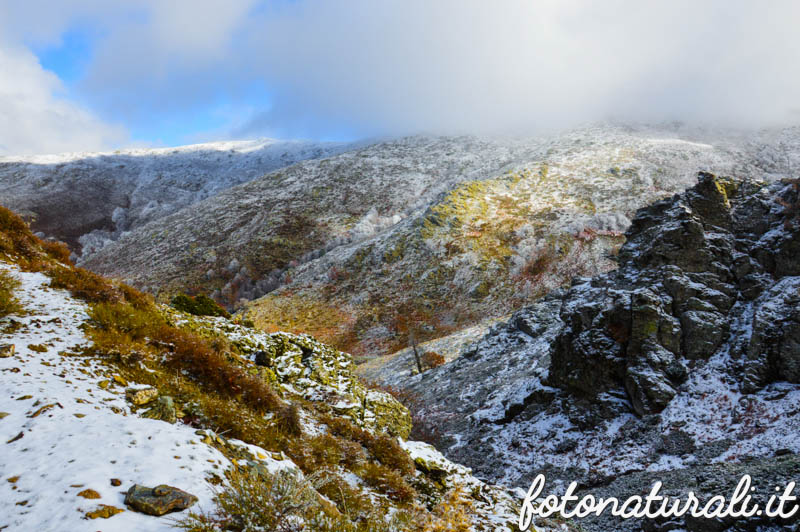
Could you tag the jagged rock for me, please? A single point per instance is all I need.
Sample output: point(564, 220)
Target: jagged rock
point(164, 409)
point(672, 297)
point(159, 500)
point(773, 352)
point(6, 350)
point(141, 396)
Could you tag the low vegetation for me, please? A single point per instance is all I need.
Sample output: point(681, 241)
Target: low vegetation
point(8, 303)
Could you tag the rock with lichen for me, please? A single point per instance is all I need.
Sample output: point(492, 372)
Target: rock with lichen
point(158, 501)
point(141, 396)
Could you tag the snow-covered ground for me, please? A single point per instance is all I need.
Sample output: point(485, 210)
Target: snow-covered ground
point(76, 435)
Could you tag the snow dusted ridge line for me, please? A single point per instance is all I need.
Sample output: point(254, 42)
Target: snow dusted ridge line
point(654, 505)
point(84, 435)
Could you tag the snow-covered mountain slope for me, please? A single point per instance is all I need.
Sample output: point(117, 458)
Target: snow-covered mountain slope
point(243, 241)
point(679, 365)
point(90, 199)
point(495, 243)
point(362, 248)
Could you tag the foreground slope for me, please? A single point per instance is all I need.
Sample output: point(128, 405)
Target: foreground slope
point(681, 366)
point(103, 391)
point(90, 199)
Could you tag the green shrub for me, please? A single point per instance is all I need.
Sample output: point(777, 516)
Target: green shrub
point(199, 305)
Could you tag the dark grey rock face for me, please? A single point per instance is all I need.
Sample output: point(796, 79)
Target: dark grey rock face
point(687, 261)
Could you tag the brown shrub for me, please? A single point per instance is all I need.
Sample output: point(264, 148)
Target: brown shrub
point(57, 250)
point(387, 451)
point(352, 502)
point(17, 238)
point(210, 368)
point(381, 447)
point(288, 420)
point(85, 285)
point(280, 502)
point(137, 323)
point(326, 450)
point(432, 359)
point(388, 482)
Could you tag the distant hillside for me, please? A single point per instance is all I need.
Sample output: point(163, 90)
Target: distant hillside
point(426, 234)
point(90, 199)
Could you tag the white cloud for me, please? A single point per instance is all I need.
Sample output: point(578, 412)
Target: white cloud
point(405, 66)
point(472, 65)
point(36, 118)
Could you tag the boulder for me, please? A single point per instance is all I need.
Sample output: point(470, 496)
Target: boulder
point(159, 500)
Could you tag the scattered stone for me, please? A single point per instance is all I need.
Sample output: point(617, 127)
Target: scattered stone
point(24, 398)
point(103, 384)
point(4, 415)
point(38, 348)
point(89, 494)
point(13, 479)
point(17, 437)
point(159, 500)
point(141, 396)
point(6, 350)
point(119, 380)
point(116, 482)
point(104, 511)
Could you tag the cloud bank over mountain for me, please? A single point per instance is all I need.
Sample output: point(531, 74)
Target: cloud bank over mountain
point(346, 69)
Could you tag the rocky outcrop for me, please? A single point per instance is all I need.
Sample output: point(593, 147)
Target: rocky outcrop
point(685, 356)
point(692, 266)
point(300, 365)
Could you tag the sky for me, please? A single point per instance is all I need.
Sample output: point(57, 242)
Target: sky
point(84, 75)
